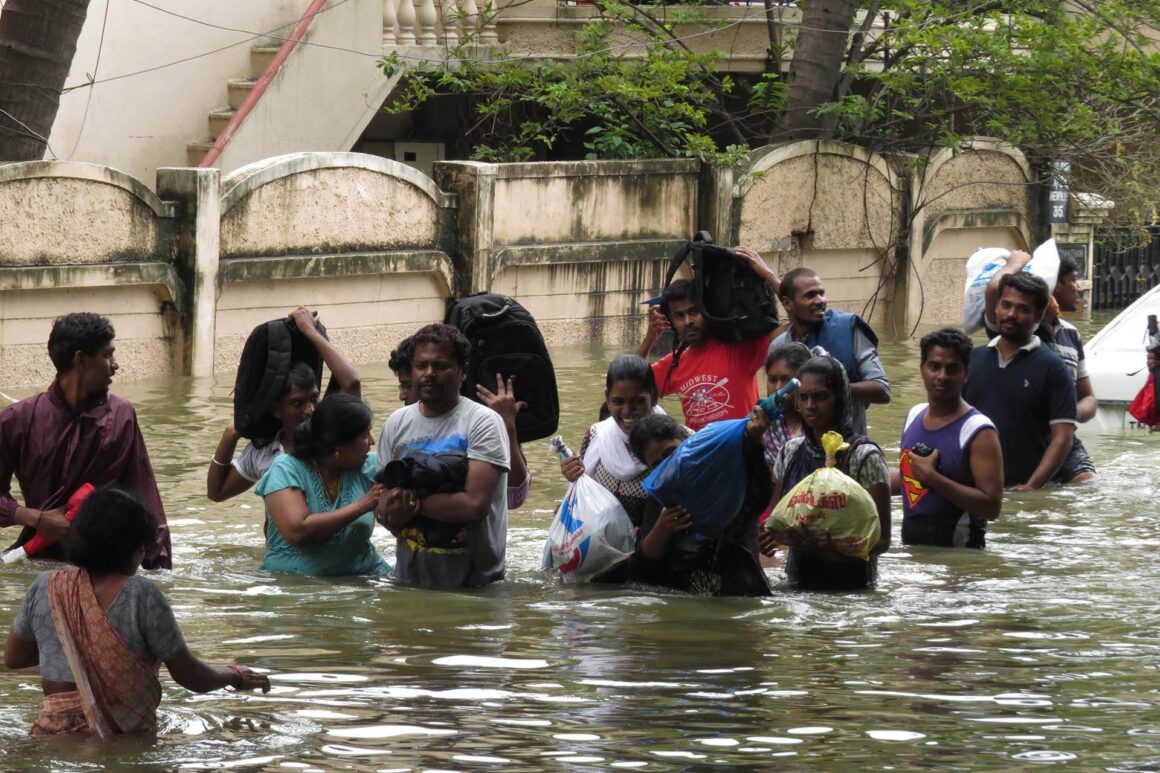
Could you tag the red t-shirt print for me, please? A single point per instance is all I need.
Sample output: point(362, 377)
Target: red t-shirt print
point(715, 381)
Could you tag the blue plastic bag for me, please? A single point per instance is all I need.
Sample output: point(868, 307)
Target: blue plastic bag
point(706, 475)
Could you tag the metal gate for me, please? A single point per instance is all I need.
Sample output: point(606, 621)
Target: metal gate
point(1124, 273)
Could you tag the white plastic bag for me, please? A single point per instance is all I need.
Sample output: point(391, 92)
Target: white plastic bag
point(590, 535)
point(983, 264)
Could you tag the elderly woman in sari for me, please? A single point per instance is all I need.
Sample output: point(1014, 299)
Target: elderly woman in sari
point(99, 632)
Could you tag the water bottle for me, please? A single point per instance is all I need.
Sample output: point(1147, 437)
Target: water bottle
point(561, 448)
point(772, 404)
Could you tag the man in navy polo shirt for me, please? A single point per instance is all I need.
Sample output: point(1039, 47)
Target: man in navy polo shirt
point(1024, 387)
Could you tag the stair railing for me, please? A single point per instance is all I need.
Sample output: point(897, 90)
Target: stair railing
point(263, 83)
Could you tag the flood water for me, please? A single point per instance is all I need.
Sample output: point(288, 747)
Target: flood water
point(1044, 650)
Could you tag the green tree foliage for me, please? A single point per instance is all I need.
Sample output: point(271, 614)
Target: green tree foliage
point(1066, 79)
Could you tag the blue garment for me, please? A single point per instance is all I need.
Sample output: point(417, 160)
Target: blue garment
point(350, 550)
point(836, 336)
point(706, 475)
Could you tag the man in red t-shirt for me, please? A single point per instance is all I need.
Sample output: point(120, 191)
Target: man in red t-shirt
point(714, 379)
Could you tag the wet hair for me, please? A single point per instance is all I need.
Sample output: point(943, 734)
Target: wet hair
point(786, 289)
point(1066, 266)
point(833, 375)
point(630, 367)
point(443, 334)
point(80, 332)
point(338, 419)
point(302, 376)
point(1027, 284)
point(400, 361)
point(679, 290)
point(948, 338)
point(794, 353)
point(109, 528)
point(654, 428)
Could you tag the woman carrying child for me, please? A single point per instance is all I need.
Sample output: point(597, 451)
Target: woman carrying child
point(630, 394)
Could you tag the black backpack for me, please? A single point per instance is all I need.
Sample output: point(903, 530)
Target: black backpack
point(263, 369)
point(504, 339)
point(737, 303)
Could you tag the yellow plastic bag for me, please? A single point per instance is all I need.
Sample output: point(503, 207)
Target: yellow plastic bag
point(828, 511)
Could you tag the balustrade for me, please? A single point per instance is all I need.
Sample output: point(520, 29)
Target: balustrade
point(439, 22)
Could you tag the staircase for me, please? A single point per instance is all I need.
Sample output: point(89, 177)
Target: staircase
point(237, 89)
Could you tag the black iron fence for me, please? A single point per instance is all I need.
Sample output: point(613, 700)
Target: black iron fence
point(1124, 269)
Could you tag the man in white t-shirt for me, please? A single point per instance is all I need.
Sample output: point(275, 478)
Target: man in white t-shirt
point(441, 422)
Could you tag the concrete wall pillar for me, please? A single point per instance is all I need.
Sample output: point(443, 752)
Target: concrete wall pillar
point(198, 194)
point(473, 184)
point(715, 204)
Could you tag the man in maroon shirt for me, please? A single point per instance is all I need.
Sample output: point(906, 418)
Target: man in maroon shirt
point(75, 433)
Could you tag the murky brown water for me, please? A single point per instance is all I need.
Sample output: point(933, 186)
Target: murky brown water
point(1044, 649)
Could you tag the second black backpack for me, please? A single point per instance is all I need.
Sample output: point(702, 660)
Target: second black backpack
point(270, 350)
point(505, 339)
point(737, 303)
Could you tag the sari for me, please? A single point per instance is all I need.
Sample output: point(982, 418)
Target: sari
point(117, 691)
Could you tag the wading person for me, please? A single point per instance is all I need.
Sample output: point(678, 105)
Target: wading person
point(846, 337)
point(320, 498)
point(713, 379)
point(74, 433)
point(781, 365)
point(1024, 387)
point(440, 422)
point(824, 401)
point(228, 477)
point(502, 401)
point(951, 466)
point(630, 394)
point(1063, 339)
point(670, 552)
point(99, 632)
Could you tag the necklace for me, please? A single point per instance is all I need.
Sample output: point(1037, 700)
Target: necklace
point(330, 491)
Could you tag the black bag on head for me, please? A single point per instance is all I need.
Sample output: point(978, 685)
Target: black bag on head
point(505, 339)
point(270, 351)
point(737, 303)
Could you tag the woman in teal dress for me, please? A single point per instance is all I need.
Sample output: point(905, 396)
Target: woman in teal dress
point(320, 499)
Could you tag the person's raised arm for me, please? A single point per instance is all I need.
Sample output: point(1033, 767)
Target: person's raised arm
point(340, 367)
point(760, 267)
point(504, 402)
point(300, 527)
point(223, 481)
point(658, 324)
point(1015, 263)
point(193, 673)
point(984, 499)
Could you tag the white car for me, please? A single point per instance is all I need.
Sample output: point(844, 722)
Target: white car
point(1115, 363)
